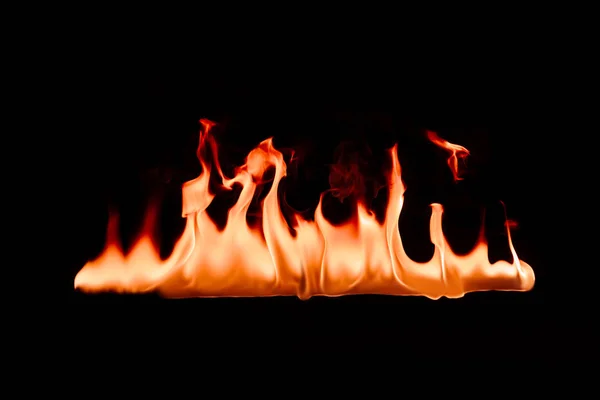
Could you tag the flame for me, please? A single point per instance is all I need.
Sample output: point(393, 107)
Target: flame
point(456, 151)
point(358, 257)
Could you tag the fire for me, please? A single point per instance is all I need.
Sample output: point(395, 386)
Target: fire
point(361, 256)
point(456, 152)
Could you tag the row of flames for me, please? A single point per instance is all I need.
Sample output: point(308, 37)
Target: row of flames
point(362, 256)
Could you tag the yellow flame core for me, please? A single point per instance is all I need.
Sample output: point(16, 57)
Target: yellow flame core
point(359, 257)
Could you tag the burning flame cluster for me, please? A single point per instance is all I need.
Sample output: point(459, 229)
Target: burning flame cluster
point(361, 256)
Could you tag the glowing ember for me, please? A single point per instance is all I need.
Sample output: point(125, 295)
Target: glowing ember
point(358, 257)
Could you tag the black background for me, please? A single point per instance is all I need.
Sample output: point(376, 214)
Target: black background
point(135, 131)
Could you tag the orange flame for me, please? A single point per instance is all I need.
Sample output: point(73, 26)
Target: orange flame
point(358, 257)
point(456, 151)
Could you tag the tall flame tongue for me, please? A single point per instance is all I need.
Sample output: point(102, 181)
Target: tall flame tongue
point(359, 256)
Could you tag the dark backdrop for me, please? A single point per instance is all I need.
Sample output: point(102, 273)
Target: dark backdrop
point(135, 133)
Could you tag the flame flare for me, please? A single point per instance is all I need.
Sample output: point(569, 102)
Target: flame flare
point(456, 152)
point(362, 256)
